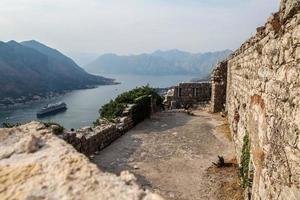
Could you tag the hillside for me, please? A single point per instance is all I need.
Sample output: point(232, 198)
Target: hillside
point(82, 58)
point(172, 62)
point(30, 68)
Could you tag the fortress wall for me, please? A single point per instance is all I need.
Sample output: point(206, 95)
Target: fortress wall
point(263, 103)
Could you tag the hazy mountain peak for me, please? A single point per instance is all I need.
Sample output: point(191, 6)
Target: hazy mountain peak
point(171, 51)
point(33, 42)
point(33, 68)
point(52, 53)
point(170, 62)
point(39, 47)
point(13, 43)
point(109, 54)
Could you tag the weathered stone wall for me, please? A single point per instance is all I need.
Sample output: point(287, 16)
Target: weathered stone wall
point(263, 102)
point(89, 140)
point(218, 87)
point(186, 94)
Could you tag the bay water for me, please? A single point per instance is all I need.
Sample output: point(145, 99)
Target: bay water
point(83, 105)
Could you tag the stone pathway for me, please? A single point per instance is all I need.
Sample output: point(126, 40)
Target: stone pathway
point(172, 154)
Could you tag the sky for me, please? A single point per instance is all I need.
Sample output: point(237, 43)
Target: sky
point(134, 26)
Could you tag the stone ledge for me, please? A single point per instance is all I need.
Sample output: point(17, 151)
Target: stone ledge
point(36, 164)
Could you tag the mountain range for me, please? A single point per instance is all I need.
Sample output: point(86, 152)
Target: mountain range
point(82, 58)
point(30, 68)
point(172, 62)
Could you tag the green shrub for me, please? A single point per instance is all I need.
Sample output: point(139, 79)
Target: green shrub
point(56, 128)
point(142, 109)
point(130, 96)
point(115, 108)
point(245, 160)
point(112, 110)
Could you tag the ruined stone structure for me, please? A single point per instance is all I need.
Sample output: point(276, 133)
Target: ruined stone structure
point(187, 94)
point(263, 105)
point(219, 84)
point(88, 140)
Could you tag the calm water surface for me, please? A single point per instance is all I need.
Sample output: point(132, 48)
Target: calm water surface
point(83, 105)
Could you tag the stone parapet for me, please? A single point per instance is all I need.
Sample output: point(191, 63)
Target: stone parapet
point(88, 140)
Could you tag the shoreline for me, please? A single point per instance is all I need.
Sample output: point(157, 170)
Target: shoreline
point(23, 100)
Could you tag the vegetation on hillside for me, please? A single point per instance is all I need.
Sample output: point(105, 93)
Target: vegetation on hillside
point(31, 68)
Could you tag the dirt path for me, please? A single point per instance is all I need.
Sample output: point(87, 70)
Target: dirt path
point(172, 154)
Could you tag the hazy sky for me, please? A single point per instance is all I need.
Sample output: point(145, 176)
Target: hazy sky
point(134, 26)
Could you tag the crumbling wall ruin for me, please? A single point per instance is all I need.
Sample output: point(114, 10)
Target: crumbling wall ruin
point(89, 140)
point(263, 103)
point(184, 95)
point(218, 87)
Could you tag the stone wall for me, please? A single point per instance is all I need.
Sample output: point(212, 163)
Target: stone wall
point(263, 102)
point(89, 140)
point(187, 94)
point(218, 85)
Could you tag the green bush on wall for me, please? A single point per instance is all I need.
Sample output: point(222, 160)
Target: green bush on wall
point(130, 96)
point(112, 110)
point(245, 160)
point(115, 108)
point(142, 108)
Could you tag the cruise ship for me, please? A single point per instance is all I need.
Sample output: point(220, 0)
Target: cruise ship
point(52, 109)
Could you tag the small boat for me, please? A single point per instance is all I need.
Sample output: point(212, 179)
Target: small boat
point(52, 109)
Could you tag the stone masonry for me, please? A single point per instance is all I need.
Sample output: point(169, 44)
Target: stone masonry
point(219, 84)
point(263, 102)
point(89, 140)
point(186, 94)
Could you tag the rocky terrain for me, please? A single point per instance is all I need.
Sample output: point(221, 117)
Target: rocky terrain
point(36, 164)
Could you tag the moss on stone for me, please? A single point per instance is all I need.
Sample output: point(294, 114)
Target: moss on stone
point(245, 160)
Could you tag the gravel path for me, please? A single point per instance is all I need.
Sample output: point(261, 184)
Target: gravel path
point(172, 154)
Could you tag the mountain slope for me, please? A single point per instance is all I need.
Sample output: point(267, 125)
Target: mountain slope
point(30, 68)
point(81, 58)
point(158, 63)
